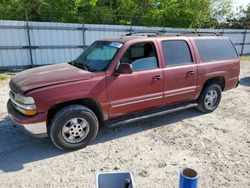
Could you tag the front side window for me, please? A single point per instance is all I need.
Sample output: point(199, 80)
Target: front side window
point(141, 56)
point(176, 52)
point(97, 56)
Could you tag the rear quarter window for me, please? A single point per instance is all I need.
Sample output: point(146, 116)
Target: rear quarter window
point(216, 49)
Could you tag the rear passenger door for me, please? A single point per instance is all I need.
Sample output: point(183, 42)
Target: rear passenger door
point(180, 72)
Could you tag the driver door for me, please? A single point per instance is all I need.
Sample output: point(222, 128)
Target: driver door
point(141, 90)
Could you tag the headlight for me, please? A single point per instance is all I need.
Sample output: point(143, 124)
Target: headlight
point(24, 100)
point(25, 105)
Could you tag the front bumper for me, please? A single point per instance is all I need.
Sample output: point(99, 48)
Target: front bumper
point(36, 129)
point(34, 126)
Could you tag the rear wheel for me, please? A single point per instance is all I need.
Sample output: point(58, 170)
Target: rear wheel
point(73, 127)
point(210, 98)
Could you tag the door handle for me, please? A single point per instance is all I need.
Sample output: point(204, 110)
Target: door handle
point(189, 73)
point(157, 77)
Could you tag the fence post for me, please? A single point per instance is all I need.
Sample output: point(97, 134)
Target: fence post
point(83, 36)
point(243, 43)
point(131, 25)
point(28, 34)
point(222, 33)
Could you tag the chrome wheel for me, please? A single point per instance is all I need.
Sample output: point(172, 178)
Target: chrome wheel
point(211, 99)
point(75, 130)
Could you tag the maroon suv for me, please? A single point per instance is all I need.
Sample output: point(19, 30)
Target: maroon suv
point(119, 80)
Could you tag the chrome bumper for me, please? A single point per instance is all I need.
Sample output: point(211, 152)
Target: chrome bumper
point(34, 129)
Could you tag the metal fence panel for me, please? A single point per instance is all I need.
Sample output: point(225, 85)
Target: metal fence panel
point(247, 44)
point(14, 58)
point(247, 49)
point(22, 43)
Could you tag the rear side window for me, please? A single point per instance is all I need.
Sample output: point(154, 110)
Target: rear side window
point(215, 49)
point(176, 52)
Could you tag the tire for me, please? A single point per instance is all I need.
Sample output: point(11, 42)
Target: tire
point(73, 127)
point(210, 98)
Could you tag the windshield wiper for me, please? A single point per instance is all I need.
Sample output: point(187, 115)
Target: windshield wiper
point(82, 66)
point(79, 65)
point(89, 68)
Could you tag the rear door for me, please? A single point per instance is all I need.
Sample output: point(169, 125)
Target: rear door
point(180, 72)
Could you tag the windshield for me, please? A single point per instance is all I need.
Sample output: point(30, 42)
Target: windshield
point(97, 56)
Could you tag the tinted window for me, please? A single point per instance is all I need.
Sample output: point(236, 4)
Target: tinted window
point(144, 64)
point(97, 56)
point(137, 50)
point(176, 52)
point(215, 49)
point(141, 56)
point(105, 53)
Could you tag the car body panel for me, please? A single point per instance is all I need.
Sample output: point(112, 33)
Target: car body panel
point(47, 76)
point(136, 92)
point(119, 95)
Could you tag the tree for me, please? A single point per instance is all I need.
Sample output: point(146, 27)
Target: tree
point(163, 13)
point(222, 9)
point(246, 19)
point(241, 21)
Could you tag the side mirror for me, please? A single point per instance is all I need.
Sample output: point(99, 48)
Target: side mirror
point(124, 68)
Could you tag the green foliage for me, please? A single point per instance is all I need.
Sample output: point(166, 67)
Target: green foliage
point(168, 13)
point(222, 9)
point(4, 77)
point(242, 23)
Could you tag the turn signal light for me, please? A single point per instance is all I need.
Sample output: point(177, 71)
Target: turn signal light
point(26, 112)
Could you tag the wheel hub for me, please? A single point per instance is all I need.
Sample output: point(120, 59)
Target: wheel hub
point(211, 98)
point(75, 130)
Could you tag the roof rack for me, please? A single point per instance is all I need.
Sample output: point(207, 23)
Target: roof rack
point(201, 33)
point(162, 33)
point(149, 34)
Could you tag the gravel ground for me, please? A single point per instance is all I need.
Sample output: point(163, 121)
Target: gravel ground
point(217, 145)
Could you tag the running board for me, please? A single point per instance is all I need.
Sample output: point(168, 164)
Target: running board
point(149, 114)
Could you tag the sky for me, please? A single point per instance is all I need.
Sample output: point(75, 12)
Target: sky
point(237, 3)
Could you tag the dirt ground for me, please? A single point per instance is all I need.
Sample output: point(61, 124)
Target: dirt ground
point(217, 145)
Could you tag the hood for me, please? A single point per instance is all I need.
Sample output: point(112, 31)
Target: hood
point(46, 76)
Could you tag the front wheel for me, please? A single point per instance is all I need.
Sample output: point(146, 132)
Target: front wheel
point(210, 98)
point(73, 127)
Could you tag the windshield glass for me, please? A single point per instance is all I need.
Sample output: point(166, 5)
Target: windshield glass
point(97, 56)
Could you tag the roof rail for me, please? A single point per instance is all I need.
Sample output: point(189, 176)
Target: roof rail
point(142, 33)
point(201, 33)
point(162, 33)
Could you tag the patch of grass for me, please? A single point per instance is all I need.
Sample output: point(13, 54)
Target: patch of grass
point(245, 58)
point(3, 77)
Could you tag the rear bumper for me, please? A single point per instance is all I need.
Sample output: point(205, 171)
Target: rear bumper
point(34, 125)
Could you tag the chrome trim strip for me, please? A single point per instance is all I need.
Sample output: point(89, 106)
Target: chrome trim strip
point(134, 102)
point(23, 106)
point(179, 93)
